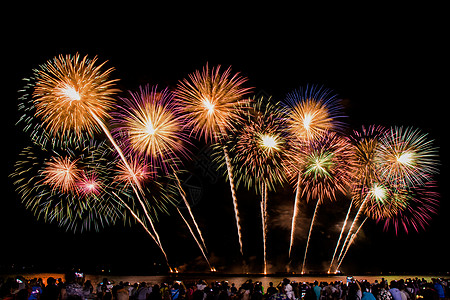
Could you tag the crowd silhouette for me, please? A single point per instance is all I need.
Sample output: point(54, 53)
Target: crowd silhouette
point(75, 287)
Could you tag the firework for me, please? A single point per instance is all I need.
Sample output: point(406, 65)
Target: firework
point(212, 101)
point(420, 204)
point(402, 208)
point(67, 90)
point(150, 124)
point(67, 190)
point(61, 173)
point(72, 96)
point(392, 161)
point(78, 189)
point(89, 183)
point(259, 153)
point(364, 144)
point(312, 112)
point(406, 157)
point(322, 169)
point(140, 170)
point(259, 147)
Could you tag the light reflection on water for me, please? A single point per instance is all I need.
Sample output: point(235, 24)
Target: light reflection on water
point(237, 280)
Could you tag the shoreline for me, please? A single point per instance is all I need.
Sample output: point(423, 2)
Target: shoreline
point(232, 278)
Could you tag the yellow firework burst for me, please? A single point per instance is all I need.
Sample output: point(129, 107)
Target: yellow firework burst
point(69, 91)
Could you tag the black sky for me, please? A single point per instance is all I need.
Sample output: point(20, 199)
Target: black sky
point(387, 65)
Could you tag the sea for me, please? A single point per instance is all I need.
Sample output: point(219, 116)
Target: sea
point(238, 280)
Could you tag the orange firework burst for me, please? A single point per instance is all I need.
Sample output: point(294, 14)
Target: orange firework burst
point(141, 171)
point(151, 124)
point(312, 112)
point(212, 101)
point(69, 90)
point(61, 173)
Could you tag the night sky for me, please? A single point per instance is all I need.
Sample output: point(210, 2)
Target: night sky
point(389, 70)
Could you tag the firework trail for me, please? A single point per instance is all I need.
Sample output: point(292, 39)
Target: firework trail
point(349, 244)
point(263, 205)
point(233, 195)
point(349, 233)
point(309, 235)
point(311, 112)
point(295, 214)
point(340, 237)
point(136, 217)
point(375, 195)
point(195, 238)
point(259, 154)
point(213, 103)
point(183, 195)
